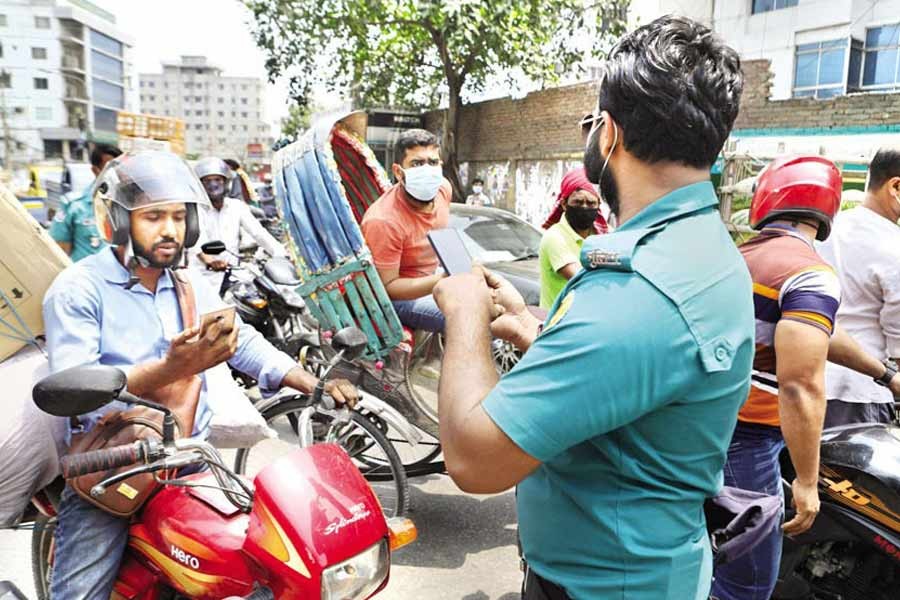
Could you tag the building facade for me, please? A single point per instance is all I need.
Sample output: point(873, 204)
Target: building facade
point(223, 115)
point(65, 72)
point(841, 56)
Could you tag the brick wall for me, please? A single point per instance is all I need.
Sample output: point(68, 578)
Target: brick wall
point(523, 147)
point(541, 125)
point(855, 110)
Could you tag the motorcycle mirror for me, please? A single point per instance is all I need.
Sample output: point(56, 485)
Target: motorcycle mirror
point(214, 247)
point(78, 390)
point(351, 341)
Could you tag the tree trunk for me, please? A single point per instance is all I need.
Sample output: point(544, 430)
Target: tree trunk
point(449, 140)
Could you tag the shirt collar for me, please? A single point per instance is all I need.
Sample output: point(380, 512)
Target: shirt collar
point(115, 272)
point(778, 229)
point(675, 204)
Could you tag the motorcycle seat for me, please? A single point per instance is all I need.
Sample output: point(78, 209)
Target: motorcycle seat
point(281, 271)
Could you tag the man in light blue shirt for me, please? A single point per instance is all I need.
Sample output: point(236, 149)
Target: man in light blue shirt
point(120, 308)
point(616, 422)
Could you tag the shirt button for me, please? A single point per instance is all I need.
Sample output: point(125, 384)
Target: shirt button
point(721, 353)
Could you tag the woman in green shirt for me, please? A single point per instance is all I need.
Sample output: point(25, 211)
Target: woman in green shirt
point(575, 217)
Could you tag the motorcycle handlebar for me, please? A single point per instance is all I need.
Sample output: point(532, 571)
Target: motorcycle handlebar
point(105, 459)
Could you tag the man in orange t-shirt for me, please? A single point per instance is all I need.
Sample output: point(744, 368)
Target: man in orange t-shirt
point(397, 224)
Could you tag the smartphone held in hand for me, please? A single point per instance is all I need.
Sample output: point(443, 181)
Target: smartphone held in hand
point(225, 316)
point(451, 251)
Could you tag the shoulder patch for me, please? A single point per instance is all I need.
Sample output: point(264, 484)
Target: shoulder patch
point(561, 310)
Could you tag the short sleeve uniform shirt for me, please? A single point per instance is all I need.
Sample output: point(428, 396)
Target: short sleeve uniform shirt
point(664, 311)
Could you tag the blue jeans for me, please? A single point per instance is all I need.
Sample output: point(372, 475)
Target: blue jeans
point(753, 465)
point(89, 547)
point(421, 313)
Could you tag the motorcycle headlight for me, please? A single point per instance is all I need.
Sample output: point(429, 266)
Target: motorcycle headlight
point(358, 577)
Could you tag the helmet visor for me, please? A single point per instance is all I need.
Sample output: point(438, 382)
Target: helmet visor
point(143, 179)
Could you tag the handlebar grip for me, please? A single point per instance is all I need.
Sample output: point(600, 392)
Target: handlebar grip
point(105, 459)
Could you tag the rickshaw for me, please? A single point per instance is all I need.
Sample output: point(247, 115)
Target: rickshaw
point(323, 184)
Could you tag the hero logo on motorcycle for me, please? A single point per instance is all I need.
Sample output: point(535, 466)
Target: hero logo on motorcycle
point(359, 513)
point(183, 557)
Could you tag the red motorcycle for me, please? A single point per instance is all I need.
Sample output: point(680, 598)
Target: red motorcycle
point(308, 526)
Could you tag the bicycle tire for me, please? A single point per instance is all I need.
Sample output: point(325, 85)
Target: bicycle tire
point(393, 471)
point(41, 543)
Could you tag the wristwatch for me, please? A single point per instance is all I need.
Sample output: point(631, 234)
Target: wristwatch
point(890, 369)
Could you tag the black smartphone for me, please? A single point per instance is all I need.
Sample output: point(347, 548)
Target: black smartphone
point(450, 250)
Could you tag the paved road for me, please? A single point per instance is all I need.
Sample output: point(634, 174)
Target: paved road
point(466, 548)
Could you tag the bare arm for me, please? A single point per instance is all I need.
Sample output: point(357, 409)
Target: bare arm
point(66, 247)
point(570, 270)
point(407, 288)
point(480, 458)
point(843, 350)
point(801, 351)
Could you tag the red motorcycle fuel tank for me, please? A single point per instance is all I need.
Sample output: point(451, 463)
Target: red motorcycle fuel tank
point(312, 510)
point(193, 536)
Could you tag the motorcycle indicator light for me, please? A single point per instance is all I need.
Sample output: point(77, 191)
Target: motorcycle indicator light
point(401, 532)
point(258, 303)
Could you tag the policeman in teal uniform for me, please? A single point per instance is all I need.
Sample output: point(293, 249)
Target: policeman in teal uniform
point(616, 422)
point(73, 227)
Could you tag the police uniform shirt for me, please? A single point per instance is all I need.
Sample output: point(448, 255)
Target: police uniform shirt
point(74, 224)
point(629, 398)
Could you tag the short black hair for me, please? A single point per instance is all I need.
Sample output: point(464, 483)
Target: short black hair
point(413, 138)
point(101, 150)
point(478, 180)
point(235, 165)
point(884, 165)
point(675, 88)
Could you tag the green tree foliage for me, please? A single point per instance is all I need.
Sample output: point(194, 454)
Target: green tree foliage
point(412, 52)
point(296, 122)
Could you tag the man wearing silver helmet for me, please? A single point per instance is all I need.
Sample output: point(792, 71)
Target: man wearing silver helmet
point(227, 218)
point(122, 307)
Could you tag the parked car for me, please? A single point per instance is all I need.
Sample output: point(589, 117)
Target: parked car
point(504, 243)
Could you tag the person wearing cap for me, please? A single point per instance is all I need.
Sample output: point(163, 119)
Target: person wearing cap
point(796, 295)
point(120, 308)
point(576, 215)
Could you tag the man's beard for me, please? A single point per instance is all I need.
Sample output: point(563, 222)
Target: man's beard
point(142, 252)
point(593, 167)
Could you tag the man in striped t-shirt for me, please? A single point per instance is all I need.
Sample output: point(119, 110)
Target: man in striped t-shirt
point(796, 295)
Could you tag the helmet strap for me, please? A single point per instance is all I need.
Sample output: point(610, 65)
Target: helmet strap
point(132, 262)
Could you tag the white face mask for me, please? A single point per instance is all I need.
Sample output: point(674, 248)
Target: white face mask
point(423, 183)
point(476, 189)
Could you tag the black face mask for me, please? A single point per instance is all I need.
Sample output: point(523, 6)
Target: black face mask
point(581, 218)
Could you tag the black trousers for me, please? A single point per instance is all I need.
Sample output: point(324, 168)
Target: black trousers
point(535, 587)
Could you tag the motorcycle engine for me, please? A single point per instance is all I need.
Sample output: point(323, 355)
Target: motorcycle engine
point(822, 561)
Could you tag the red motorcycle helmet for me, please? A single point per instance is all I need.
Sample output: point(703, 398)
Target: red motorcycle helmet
point(797, 186)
